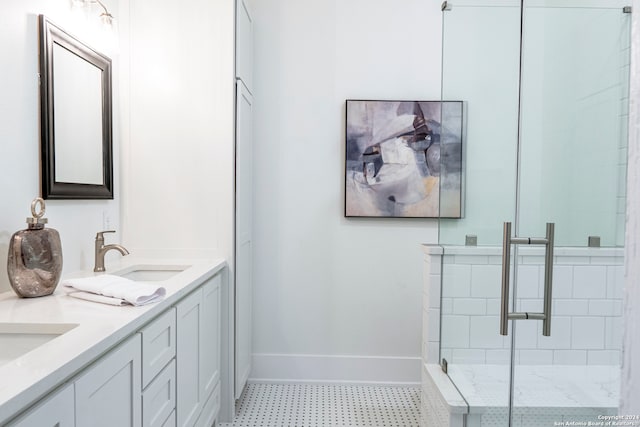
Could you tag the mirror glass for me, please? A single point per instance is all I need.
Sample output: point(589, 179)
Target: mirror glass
point(76, 113)
point(77, 82)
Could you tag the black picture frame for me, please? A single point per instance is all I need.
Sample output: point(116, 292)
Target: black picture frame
point(49, 36)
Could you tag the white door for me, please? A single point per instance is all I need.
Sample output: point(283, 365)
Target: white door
point(244, 234)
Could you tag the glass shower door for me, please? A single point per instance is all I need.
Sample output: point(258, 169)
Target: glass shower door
point(545, 142)
point(571, 172)
point(480, 67)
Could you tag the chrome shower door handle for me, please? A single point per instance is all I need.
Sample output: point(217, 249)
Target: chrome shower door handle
point(506, 272)
point(507, 241)
point(548, 280)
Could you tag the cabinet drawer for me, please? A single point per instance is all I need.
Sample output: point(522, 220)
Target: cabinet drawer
point(210, 409)
point(158, 345)
point(159, 399)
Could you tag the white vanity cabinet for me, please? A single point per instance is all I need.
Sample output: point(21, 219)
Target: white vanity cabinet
point(56, 411)
point(198, 355)
point(165, 374)
point(159, 369)
point(108, 392)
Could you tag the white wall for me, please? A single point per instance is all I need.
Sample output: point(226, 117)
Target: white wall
point(178, 134)
point(326, 285)
point(77, 221)
point(630, 403)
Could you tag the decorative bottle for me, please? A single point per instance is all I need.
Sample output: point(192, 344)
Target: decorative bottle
point(35, 256)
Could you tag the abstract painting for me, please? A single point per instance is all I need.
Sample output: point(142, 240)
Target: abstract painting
point(403, 159)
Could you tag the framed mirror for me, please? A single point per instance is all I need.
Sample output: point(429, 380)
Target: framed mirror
point(75, 117)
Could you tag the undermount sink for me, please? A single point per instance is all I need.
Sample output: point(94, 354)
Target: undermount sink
point(151, 273)
point(17, 339)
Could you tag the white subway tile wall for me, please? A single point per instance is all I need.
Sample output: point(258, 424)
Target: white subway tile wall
point(469, 306)
point(623, 142)
point(615, 282)
point(570, 357)
point(560, 338)
point(447, 305)
point(455, 331)
point(536, 357)
point(497, 357)
point(528, 281)
point(562, 281)
point(431, 308)
point(587, 333)
point(458, 278)
point(527, 335)
point(603, 357)
point(484, 333)
point(589, 281)
point(613, 332)
point(484, 279)
point(570, 307)
point(587, 308)
point(466, 355)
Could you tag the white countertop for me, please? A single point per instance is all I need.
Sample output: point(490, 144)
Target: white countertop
point(538, 389)
point(448, 392)
point(26, 379)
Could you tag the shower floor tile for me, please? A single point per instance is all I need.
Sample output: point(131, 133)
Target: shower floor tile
point(305, 405)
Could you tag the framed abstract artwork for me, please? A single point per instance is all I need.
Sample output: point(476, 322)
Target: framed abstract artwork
point(403, 159)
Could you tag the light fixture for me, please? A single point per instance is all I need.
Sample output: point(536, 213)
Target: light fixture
point(105, 17)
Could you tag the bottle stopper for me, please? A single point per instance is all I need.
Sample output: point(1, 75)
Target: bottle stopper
point(37, 220)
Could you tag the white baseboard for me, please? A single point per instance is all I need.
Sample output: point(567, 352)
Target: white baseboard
point(330, 369)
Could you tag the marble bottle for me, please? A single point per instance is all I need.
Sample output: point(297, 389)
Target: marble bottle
point(35, 256)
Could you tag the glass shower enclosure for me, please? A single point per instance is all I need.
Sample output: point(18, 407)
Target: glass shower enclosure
point(532, 275)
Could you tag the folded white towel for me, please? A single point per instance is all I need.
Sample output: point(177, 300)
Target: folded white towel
point(87, 296)
point(118, 289)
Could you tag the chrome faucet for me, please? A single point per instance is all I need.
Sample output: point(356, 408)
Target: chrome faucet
point(101, 250)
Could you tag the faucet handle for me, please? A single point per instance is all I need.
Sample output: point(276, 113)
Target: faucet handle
point(100, 234)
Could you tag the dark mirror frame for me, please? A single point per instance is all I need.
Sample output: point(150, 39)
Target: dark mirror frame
point(50, 34)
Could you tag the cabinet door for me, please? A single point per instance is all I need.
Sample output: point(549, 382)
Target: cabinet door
point(171, 421)
point(210, 410)
point(244, 236)
point(198, 350)
point(55, 411)
point(108, 393)
point(189, 398)
point(210, 339)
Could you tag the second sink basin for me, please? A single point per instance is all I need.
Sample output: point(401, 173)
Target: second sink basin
point(17, 339)
point(151, 273)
